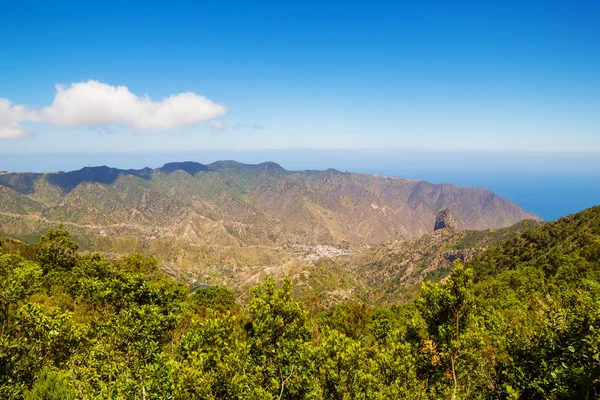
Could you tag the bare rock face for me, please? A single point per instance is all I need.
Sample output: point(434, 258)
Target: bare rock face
point(444, 219)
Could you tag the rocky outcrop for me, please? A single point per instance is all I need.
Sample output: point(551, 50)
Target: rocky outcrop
point(444, 219)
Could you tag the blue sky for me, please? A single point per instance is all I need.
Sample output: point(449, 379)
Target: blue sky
point(456, 75)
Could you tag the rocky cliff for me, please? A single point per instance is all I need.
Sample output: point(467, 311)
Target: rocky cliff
point(444, 219)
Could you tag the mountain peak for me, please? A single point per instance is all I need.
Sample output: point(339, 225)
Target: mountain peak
point(225, 164)
point(234, 166)
point(273, 167)
point(69, 180)
point(191, 167)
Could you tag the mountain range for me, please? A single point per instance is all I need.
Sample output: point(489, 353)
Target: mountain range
point(339, 235)
point(234, 204)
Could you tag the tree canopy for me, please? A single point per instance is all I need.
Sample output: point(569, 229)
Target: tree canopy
point(520, 321)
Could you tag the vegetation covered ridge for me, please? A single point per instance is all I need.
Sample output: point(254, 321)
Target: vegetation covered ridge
point(521, 320)
point(227, 203)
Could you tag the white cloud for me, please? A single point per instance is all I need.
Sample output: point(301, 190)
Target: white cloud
point(93, 103)
point(97, 104)
point(10, 117)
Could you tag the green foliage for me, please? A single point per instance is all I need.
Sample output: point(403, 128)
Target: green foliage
point(547, 246)
point(448, 312)
point(218, 298)
point(346, 369)
point(52, 385)
point(540, 296)
point(278, 336)
point(140, 264)
point(382, 323)
point(56, 251)
point(350, 319)
point(520, 321)
point(19, 279)
point(212, 359)
point(12, 246)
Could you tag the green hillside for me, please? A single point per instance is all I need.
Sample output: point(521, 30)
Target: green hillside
point(520, 320)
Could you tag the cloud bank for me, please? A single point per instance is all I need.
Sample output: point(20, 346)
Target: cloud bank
point(97, 104)
point(10, 117)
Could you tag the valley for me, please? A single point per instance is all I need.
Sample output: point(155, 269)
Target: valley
point(341, 236)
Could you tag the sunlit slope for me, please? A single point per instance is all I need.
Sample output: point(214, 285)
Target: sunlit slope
point(249, 204)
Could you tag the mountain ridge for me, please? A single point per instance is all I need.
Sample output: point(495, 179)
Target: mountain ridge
point(249, 204)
